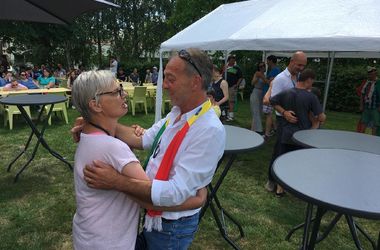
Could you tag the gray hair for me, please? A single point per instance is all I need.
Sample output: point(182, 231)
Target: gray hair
point(87, 86)
point(203, 63)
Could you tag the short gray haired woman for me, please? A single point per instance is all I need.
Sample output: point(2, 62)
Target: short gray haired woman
point(104, 219)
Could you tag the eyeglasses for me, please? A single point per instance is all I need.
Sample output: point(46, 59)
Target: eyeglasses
point(261, 66)
point(183, 54)
point(120, 91)
point(22, 74)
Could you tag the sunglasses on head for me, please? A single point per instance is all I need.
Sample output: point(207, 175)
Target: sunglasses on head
point(183, 54)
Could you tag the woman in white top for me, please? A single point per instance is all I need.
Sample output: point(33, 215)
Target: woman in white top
point(105, 219)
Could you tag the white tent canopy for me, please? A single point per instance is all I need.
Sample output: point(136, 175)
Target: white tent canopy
point(284, 25)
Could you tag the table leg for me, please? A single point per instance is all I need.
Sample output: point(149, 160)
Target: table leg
point(329, 227)
point(228, 215)
point(373, 243)
point(222, 229)
point(320, 212)
point(213, 198)
point(353, 231)
point(305, 238)
point(39, 136)
point(26, 117)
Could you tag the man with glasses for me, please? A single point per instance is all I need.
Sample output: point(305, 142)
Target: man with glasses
point(27, 81)
point(185, 148)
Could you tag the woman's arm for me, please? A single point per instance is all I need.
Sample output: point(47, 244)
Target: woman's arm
point(266, 99)
point(255, 79)
point(224, 87)
point(129, 136)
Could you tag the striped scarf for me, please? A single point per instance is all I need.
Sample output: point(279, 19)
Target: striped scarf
point(153, 218)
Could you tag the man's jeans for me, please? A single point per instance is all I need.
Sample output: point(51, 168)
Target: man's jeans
point(175, 234)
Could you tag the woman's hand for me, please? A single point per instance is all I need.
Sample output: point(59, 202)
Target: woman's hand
point(77, 129)
point(139, 131)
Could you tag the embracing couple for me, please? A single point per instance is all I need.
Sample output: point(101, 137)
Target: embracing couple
point(110, 183)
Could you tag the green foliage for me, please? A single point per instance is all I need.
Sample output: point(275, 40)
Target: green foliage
point(342, 93)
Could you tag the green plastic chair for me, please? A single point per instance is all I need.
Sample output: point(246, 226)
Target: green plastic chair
point(58, 107)
point(165, 100)
point(139, 97)
point(10, 111)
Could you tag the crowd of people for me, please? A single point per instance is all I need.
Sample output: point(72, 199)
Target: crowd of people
point(151, 76)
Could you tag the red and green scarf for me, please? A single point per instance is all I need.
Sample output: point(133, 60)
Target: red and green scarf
point(153, 218)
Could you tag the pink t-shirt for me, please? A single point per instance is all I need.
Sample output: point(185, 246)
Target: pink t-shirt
point(104, 219)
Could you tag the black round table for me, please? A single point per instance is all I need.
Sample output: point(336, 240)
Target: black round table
point(27, 100)
point(344, 181)
point(238, 140)
point(326, 138)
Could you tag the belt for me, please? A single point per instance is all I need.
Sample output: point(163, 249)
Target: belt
point(179, 219)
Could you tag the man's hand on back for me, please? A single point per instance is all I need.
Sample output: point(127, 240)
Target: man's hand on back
point(100, 175)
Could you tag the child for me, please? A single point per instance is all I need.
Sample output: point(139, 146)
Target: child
point(211, 96)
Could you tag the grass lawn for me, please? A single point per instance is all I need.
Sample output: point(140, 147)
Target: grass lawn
point(36, 212)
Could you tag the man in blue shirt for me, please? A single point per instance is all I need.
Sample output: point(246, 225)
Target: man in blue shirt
point(2, 82)
point(27, 81)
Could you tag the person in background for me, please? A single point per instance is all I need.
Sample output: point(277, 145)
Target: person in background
point(61, 71)
point(220, 87)
point(215, 106)
point(121, 75)
point(8, 77)
point(27, 81)
point(148, 76)
point(4, 64)
point(134, 77)
point(29, 73)
point(72, 76)
point(370, 102)
point(300, 102)
point(36, 72)
point(2, 81)
point(46, 81)
point(234, 77)
point(14, 85)
point(197, 149)
point(272, 72)
point(287, 79)
point(154, 75)
point(113, 65)
point(256, 99)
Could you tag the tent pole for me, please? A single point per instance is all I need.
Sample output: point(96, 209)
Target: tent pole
point(331, 63)
point(328, 64)
point(263, 59)
point(225, 64)
point(159, 91)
